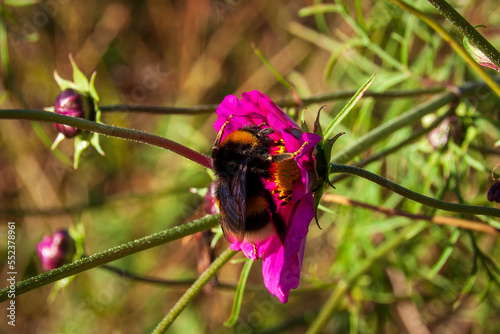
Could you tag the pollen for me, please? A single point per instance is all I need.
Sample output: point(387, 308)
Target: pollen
point(283, 175)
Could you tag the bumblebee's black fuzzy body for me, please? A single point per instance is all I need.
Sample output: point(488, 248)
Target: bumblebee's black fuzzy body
point(242, 161)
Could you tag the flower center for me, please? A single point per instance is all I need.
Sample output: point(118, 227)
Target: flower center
point(283, 175)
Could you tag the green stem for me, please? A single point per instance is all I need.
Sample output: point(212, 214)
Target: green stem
point(112, 254)
point(287, 102)
point(467, 30)
point(194, 290)
point(178, 283)
point(343, 286)
point(195, 110)
point(396, 147)
point(113, 131)
point(428, 201)
point(407, 118)
point(458, 48)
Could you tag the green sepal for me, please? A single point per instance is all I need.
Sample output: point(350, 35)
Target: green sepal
point(58, 286)
point(94, 141)
point(78, 234)
point(323, 157)
point(304, 126)
point(80, 80)
point(63, 83)
point(218, 234)
point(81, 144)
point(60, 137)
point(318, 130)
point(92, 91)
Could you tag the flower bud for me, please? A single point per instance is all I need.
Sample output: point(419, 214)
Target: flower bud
point(70, 103)
point(438, 137)
point(478, 55)
point(56, 250)
point(494, 192)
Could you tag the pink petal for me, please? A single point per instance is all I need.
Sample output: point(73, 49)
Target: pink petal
point(272, 265)
point(252, 251)
point(290, 274)
point(299, 217)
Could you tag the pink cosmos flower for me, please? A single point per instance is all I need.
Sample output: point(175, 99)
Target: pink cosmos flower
point(282, 261)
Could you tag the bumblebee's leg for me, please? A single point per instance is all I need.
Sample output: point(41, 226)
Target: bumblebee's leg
point(221, 132)
point(266, 131)
point(286, 156)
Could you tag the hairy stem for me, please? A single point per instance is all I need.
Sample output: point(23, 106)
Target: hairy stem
point(440, 220)
point(414, 196)
point(112, 131)
point(405, 119)
point(457, 47)
point(286, 102)
point(467, 30)
point(193, 291)
point(112, 254)
point(344, 285)
point(194, 110)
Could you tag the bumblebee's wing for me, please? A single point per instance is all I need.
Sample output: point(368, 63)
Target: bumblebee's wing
point(233, 204)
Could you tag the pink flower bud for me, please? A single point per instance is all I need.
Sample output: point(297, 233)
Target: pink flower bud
point(70, 103)
point(56, 250)
point(478, 55)
point(494, 192)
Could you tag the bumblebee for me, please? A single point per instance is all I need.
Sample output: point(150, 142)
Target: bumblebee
point(243, 162)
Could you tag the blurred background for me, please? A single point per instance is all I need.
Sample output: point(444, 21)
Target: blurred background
point(187, 53)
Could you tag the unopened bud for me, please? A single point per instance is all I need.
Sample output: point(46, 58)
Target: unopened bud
point(56, 250)
point(70, 103)
point(494, 192)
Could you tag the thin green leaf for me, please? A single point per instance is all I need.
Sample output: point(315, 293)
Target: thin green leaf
point(4, 49)
point(238, 296)
point(19, 3)
point(320, 20)
point(468, 159)
point(445, 255)
point(319, 9)
point(465, 290)
point(275, 72)
point(485, 293)
point(348, 107)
